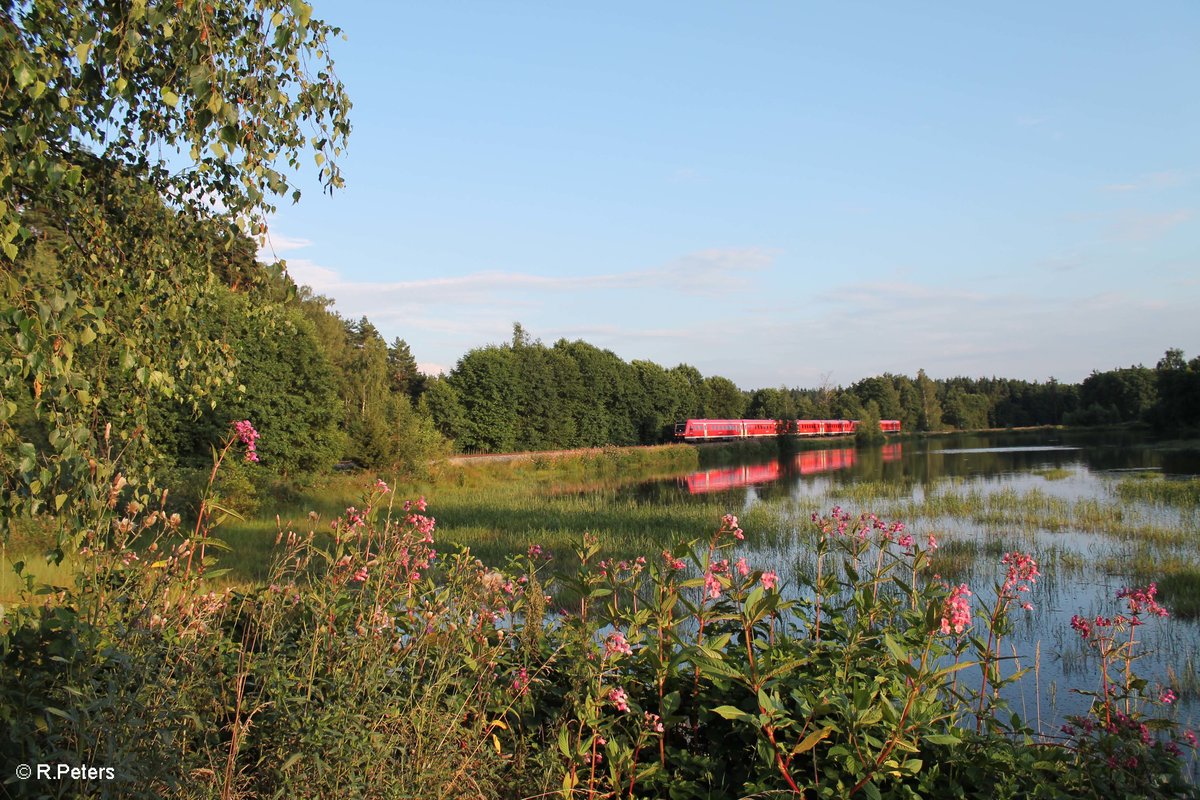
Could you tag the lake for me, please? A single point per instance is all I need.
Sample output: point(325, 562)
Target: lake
point(1077, 502)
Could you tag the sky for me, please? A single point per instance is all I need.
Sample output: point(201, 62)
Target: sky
point(780, 193)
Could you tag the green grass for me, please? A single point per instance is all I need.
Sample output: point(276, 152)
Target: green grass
point(35, 565)
point(1054, 473)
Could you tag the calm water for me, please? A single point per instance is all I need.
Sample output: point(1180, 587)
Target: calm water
point(1050, 494)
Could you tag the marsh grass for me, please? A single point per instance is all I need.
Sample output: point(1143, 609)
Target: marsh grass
point(1158, 489)
point(1180, 590)
point(955, 558)
point(501, 508)
point(1185, 681)
point(1053, 473)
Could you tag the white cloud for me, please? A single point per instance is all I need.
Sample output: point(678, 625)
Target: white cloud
point(308, 273)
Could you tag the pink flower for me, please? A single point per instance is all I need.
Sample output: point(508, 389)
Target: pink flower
point(712, 585)
point(1142, 600)
point(360, 574)
point(1168, 697)
point(381, 486)
point(535, 551)
point(653, 722)
point(742, 567)
point(615, 644)
point(670, 562)
point(933, 542)
point(769, 580)
point(248, 436)
point(956, 614)
point(1022, 571)
point(619, 699)
point(1082, 626)
point(521, 682)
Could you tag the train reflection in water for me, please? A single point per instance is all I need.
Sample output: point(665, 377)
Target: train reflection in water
point(813, 462)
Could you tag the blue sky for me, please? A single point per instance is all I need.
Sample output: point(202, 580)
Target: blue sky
point(779, 193)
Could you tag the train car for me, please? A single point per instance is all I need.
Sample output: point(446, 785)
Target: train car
point(706, 430)
point(807, 427)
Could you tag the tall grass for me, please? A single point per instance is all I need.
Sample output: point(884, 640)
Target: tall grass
point(1152, 488)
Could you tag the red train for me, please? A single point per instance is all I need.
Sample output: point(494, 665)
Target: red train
point(701, 430)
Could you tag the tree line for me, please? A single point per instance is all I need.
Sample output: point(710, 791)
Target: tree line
point(525, 395)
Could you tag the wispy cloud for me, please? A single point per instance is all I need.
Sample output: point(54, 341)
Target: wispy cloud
point(273, 243)
point(1140, 226)
point(1068, 262)
point(713, 271)
point(1151, 180)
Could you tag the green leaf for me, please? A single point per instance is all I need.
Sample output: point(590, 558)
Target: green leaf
point(23, 75)
point(734, 713)
point(169, 97)
point(811, 741)
point(943, 739)
point(564, 741)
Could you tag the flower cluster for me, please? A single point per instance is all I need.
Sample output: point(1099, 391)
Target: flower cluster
point(615, 644)
point(520, 683)
point(956, 614)
point(1141, 601)
point(1022, 574)
point(672, 563)
point(712, 583)
point(248, 436)
point(729, 524)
